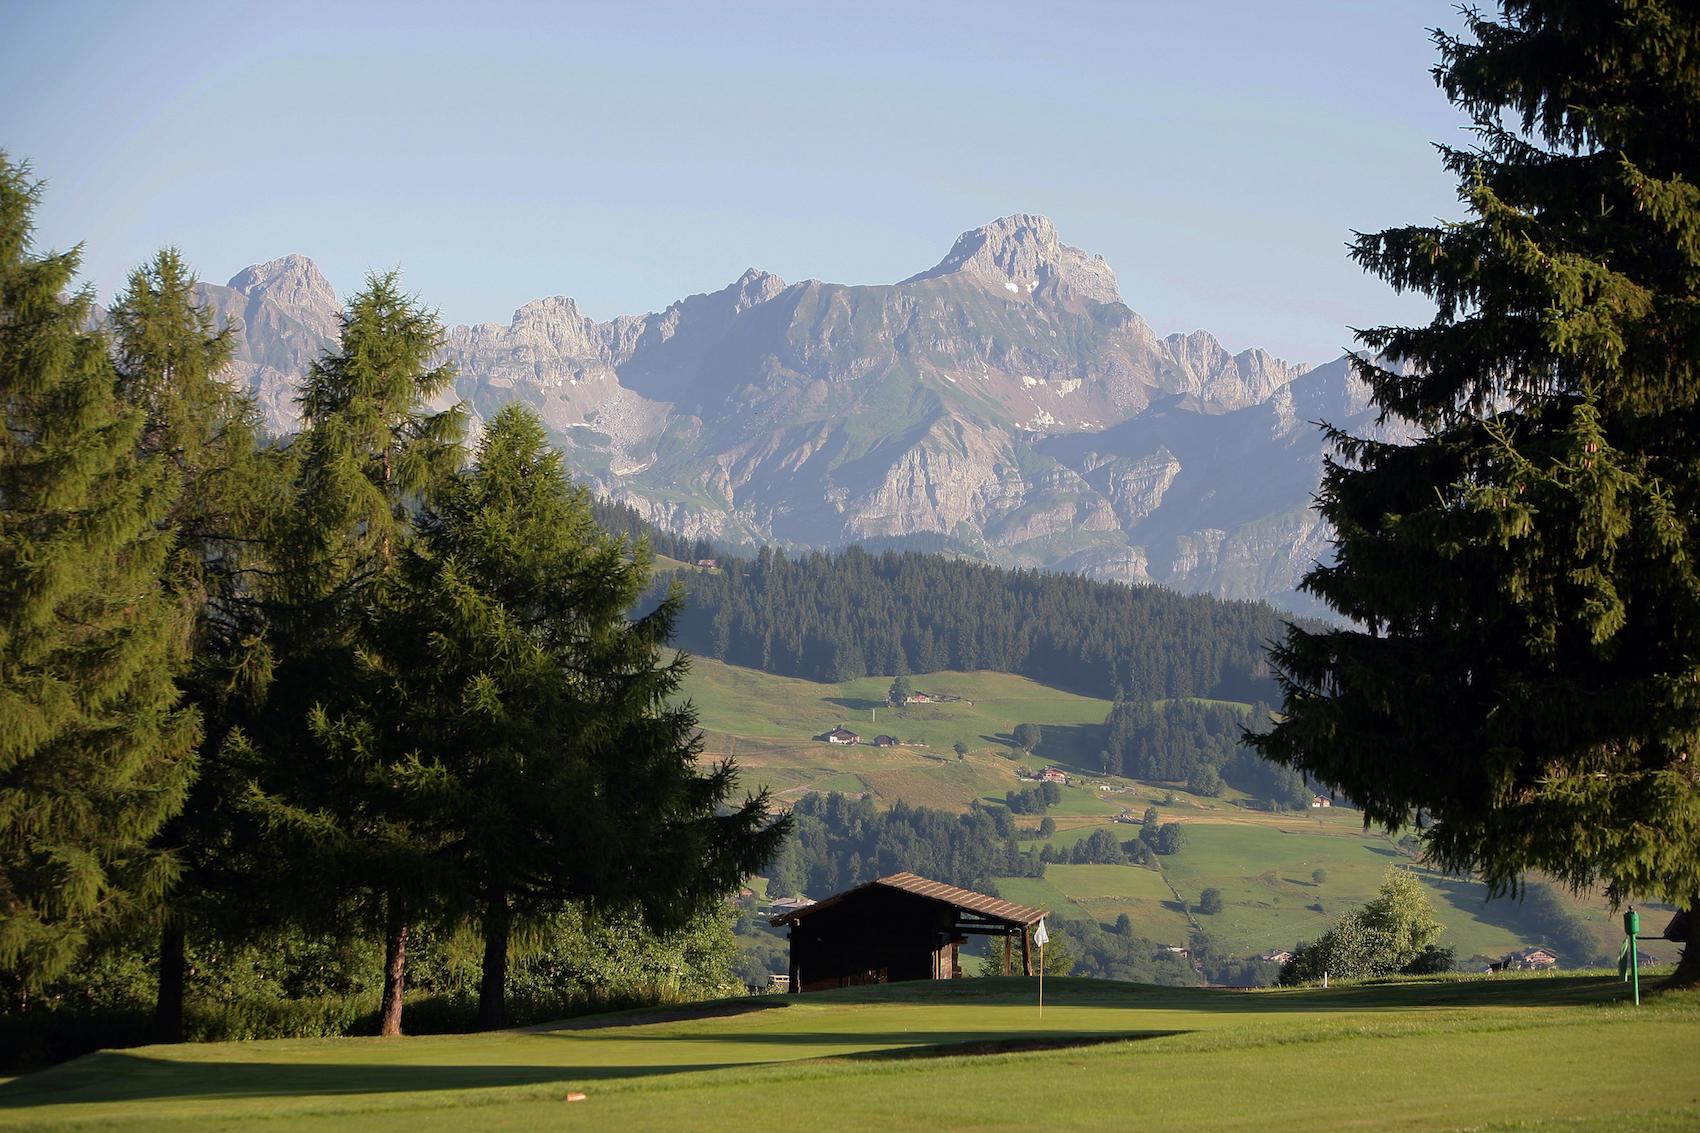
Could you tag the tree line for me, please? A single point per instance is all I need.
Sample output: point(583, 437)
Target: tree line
point(363, 676)
point(836, 616)
point(1201, 744)
point(839, 842)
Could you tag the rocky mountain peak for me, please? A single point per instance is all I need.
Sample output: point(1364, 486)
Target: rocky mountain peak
point(1021, 253)
point(753, 287)
point(293, 281)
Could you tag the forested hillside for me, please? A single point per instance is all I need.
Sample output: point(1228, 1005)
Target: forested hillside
point(833, 617)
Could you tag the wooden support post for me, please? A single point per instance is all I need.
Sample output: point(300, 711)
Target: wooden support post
point(1007, 945)
point(1026, 953)
point(796, 984)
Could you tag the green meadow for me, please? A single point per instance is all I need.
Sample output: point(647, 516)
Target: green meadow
point(1263, 863)
point(1543, 1053)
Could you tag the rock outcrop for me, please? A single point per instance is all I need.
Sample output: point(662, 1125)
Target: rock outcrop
point(1004, 404)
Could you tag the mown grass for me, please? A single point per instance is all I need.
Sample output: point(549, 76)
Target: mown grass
point(1549, 1052)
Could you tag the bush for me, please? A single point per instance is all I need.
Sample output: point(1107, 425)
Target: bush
point(1169, 839)
point(1206, 782)
point(1318, 876)
point(1210, 901)
point(1394, 933)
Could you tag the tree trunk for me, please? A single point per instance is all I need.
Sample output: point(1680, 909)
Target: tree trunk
point(1687, 972)
point(492, 989)
point(173, 965)
point(395, 969)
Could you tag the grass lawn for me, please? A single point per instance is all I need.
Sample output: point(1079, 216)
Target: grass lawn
point(1546, 1053)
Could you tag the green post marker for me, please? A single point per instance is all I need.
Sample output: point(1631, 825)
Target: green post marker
point(1631, 930)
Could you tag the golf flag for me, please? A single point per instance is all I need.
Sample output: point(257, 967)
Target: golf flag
point(1039, 938)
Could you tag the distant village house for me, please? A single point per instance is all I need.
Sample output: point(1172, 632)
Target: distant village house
point(1530, 960)
point(885, 741)
point(918, 698)
point(1053, 775)
point(842, 735)
point(1321, 801)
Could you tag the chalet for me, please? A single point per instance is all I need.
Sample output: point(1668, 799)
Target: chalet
point(918, 698)
point(901, 927)
point(784, 905)
point(1053, 775)
point(1277, 958)
point(707, 564)
point(1322, 801)
point(1531, 960)
point(842, 735)
point(885, 741)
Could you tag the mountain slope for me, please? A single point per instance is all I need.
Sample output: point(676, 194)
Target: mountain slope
point(1004, 404)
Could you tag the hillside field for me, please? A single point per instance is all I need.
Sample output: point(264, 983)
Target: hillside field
point(1260, 861)
point(1535, 1053)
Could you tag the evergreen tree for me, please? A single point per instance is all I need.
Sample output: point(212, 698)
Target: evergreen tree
point(334, 789)
point(96, 746)
point(206, 436)
point(1527, 667)
point(900, 692)
point(542, 720)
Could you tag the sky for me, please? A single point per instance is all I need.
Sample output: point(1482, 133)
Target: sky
point(1218, 154)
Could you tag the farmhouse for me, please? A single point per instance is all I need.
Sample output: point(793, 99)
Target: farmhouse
point(918, 698)
point(707, 564)
point(1321, 801)
point(885, 741)
point(901, 927)
point(1054, 775)
point(1282, 957)
point(1531, 960)
point(842, 735)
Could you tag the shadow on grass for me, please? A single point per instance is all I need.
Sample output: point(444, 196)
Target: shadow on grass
point(856, 703)
point(117, 1076)
point(1073, 746)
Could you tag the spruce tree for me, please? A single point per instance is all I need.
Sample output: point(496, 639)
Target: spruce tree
point(540, 721)
point(205, 434)
point(370, 452)
point(97, 749)
point(1524, 662)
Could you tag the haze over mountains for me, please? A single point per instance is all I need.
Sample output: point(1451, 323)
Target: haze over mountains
point(1005, 404)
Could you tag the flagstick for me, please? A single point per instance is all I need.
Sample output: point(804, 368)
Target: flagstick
point(1041, 982)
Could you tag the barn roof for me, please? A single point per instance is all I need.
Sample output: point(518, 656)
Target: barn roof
point(992, 908)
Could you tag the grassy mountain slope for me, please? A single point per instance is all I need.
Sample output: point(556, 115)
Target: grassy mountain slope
point(1261, 862)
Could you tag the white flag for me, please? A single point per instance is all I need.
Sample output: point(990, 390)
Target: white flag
point(1040, 936)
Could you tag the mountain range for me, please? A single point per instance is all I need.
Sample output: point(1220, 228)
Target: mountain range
point(1005, 404)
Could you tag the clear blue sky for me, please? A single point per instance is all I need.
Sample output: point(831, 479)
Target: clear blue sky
point(1217, 154)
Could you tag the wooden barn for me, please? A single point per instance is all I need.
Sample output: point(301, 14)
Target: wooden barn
point(901, 927)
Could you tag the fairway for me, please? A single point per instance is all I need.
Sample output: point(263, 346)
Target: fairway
point(1431, 1055)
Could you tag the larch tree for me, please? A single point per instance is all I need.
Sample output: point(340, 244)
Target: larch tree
point(205, 435)
point(370, 452)
point(1523, 662)
point(97, 748)
point(541, 721)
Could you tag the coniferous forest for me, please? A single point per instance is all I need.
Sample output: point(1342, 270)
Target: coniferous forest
point(833, 617)
point(291, 727)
